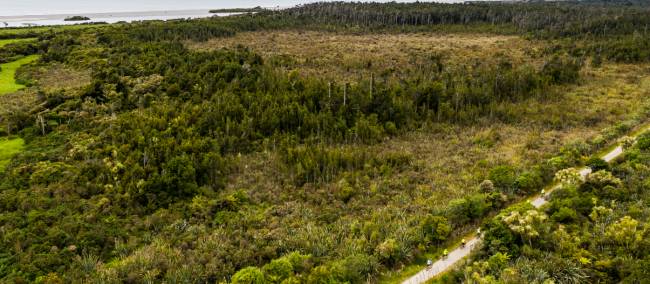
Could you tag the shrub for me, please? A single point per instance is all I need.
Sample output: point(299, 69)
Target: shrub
point(435, 228)
point(248, 275)
point(468, 208)
point(643, 142)
point(499, 239)
point(486, 186)
point(597, 164)
point(388, 251)
point(278, 270)
point(572, 152)
point(458, 209)
point(627, 142)
point(299, 262)
point(596, 60)
point(355, 268)
point(368, 129)
point(562, 70)
point(565, 215)
point(601, 179)
point(568, 177)
point(323, 274)
point(603, 184)
point(503, 177)
point(529, 181)
point(478, 205)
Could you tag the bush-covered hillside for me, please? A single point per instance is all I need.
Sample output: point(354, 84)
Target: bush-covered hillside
point(150, 155)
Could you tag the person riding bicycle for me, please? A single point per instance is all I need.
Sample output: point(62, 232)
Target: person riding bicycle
point(462, 243)
point(445, 253)
point(429, 263)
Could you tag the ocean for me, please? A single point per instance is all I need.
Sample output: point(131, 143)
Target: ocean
point(20, 13)
point(111, 17)
point(54, 7)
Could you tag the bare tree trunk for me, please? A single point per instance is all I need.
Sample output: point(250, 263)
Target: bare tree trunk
point(41, 121)
point(8, 126)
point(372, 83)
point(329, 95)
point(329, 90)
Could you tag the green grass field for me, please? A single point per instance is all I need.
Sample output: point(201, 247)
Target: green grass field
point(4, 42)
point(8, 74)
point(9, 148)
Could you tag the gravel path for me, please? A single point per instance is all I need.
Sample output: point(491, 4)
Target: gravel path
point(459, 253)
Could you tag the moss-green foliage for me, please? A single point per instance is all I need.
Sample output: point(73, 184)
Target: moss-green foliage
point(249, 275)
point(8, 82)
point(9, 148)
point(4, 42)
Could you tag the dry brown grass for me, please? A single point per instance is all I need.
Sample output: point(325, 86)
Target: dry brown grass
point(58, 76)
point(350, 56)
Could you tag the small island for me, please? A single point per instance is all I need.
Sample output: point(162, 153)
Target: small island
point(76, 19)
point(238, 10)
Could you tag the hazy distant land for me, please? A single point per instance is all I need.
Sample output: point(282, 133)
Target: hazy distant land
point(60, 19)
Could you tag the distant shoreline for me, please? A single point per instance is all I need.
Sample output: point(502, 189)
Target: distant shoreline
point(105, 14)
point(137, 13)
point(104, 17)
point(19, 21)
point(239, 10)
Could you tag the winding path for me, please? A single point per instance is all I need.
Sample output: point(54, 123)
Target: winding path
point(461, 252)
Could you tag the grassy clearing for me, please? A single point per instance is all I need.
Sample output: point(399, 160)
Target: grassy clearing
point(344, 56)
point(9, 148)
point(8, 74)
point(4, 42)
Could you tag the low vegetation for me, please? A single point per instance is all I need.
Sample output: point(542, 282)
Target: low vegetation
point(349, 57)
point(306, 145)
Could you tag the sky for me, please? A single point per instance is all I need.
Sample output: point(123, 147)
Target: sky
point(49, 7)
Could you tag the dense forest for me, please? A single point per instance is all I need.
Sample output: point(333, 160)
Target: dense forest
point(133, 173)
